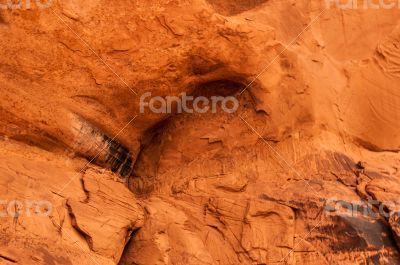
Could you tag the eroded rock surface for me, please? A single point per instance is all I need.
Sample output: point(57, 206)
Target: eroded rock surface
point(305, 171)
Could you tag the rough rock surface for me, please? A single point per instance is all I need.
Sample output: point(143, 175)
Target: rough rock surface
point(306, 171)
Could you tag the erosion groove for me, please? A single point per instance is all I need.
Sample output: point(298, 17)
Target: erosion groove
point(102, 150)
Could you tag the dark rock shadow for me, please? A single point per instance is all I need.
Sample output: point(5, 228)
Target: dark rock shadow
point(231, 7)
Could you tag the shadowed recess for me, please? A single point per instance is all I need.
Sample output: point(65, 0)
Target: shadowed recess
point(231, 8)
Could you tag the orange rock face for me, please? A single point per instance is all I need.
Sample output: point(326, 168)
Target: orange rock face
point(199, 132)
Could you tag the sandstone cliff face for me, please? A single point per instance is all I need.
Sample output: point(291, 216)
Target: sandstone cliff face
point(305, 171)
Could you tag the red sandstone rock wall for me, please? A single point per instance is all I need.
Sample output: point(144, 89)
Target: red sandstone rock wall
point(304, 170)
